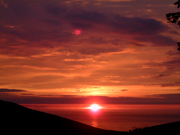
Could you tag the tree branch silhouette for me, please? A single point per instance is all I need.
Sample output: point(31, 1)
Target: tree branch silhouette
point(175, 18)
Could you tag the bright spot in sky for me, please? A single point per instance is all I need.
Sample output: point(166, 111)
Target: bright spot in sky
point(77, 32)
point(95, 107)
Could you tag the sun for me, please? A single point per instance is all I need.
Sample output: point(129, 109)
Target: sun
point(95, 107)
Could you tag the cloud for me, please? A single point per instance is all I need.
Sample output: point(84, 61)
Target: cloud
point(26, 94)
point(79, 25)
point(98, 50)
point(173, 62)
point(87, 17)
point(157, 40)
point(4, 3)
point(55, 23)
point(11, 90)
point(119, 24)
point(71, 99)
point(172, 53)
point(141, 29)
point(45, 27)
point(135, 25)
point(124, 90)
point(161, 75)
point(56, 10)
point(171, 84)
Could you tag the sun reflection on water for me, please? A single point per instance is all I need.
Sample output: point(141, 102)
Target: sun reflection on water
point(94, 123)
point(94, 117)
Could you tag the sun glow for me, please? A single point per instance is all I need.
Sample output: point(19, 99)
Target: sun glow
point(95, 107)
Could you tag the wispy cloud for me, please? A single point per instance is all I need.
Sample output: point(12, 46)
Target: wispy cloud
point(71, 99)
point(171, 84)
point(11, 90)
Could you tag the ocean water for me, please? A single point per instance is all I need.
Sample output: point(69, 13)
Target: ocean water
point(114, 117)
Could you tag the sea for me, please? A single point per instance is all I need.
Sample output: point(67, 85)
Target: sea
point(114, 116)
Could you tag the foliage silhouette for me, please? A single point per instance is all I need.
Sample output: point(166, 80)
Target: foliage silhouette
point(137, 131)
point(175, 18)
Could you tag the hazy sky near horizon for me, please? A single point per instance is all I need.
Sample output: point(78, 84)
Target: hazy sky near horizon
point(73, 50)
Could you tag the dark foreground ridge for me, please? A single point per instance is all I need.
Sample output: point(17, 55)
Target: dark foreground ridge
point(18, 120)
point(164, 129)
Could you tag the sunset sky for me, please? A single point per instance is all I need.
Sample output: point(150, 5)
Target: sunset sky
point(80, 51)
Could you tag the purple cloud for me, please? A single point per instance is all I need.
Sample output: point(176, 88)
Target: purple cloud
point(71, 99)
point(124, 90)
point(171, 84)
point(11, 90)
point(29, 26)
point(161, 75)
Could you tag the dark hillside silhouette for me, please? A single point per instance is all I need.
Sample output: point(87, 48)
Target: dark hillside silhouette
point(165, 129)
point(175, 18)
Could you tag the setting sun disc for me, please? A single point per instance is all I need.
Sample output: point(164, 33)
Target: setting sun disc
point(94, 107)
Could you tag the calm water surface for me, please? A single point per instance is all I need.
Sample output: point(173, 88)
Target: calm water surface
point(114, 117)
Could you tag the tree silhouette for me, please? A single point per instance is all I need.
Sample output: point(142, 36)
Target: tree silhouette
point(175, 18)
